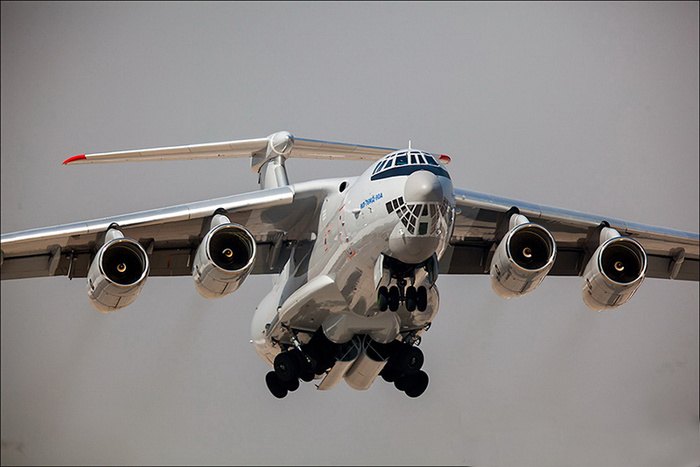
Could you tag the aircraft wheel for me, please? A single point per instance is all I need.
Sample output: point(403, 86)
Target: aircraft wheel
point(389, 375)
point(404, 383)
point(383, 298)
point(422, 298)
point(419, 384)
point(288, 365)
point(410, 360)
point(411, 296)
point(394, 298)
point(291, 385)
point(307, 376)
point(275, 385)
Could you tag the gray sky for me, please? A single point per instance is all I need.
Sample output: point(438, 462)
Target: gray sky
point(585, 106)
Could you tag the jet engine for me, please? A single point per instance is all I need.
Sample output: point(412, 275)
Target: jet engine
point(117, 274)
point(522, 259)
point(223, 260)
point(614, 272)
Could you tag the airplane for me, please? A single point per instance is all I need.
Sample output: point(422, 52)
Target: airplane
point(357, 259)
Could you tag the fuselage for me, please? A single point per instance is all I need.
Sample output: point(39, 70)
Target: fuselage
point(400, 210)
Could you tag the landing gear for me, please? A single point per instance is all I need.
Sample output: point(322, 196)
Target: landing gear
point(413, 385)
point(288, 365)
point(288, 369)
point(275, 385)
point(414, 298)
point(422, 299)
point(404, 369)
point(411, 296)
point(394, 298)
point(383, 298)
point(302, 362)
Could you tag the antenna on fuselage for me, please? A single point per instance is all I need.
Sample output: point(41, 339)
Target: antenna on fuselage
point(409, 144)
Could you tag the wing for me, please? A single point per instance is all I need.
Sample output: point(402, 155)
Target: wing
point(278, 219)
point(481, 222)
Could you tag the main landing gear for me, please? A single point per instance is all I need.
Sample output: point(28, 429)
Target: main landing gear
point(302, 363)
point(403, 366)
point(414, 298)
point(404, 369)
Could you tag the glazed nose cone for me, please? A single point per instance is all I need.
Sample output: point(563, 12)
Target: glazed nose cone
point(422, 187)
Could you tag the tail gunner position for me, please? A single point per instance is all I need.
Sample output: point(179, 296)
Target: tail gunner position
point(355, 259)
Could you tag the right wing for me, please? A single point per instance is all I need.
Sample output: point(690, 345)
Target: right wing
point(278, 219)
point(481, 222)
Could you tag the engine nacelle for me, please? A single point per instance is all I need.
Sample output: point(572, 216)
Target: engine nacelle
point(117, 274)
point(522, 259)
point(614, 273)
point(223, 260)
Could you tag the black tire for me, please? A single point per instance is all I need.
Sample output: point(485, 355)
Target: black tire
point(288, 365)
point(274, 384)
point(291, 385)
point(388, 374)
point(411, 297)
point(409, 360)
point(394, 298)
point(420, 384)
point(383, 298)
point(307, 376)
point(405, 383)
point(422, 298)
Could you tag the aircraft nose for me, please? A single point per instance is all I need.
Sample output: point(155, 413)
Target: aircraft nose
point(421, 187)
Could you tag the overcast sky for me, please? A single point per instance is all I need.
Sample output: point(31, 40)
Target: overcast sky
point(586, 106)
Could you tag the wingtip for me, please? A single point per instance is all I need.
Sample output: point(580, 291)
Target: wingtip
point(73, 159)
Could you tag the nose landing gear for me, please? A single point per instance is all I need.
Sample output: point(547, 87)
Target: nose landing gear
point(414, 298)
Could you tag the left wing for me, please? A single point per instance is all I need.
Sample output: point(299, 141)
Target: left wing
point(482, 221)
point(277, 218)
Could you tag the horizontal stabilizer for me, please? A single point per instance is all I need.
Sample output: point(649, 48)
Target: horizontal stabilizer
point(280, 143)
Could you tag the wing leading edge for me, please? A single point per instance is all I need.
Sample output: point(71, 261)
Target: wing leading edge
point(482, 221)
point(278, 219)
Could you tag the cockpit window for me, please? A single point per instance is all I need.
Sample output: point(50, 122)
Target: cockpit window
point(402, 163)
point(431, 160)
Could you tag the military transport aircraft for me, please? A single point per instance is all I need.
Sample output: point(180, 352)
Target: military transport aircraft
point(357, 259)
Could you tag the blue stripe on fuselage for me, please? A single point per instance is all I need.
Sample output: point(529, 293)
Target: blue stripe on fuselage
point(408, 170)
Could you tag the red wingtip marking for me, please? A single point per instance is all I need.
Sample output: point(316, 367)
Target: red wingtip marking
point(73, 159)
point(445, 159)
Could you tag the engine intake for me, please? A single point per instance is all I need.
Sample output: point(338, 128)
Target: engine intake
point(614, 273)
point(522, 259)
point(223, 260)
point(117, 274)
